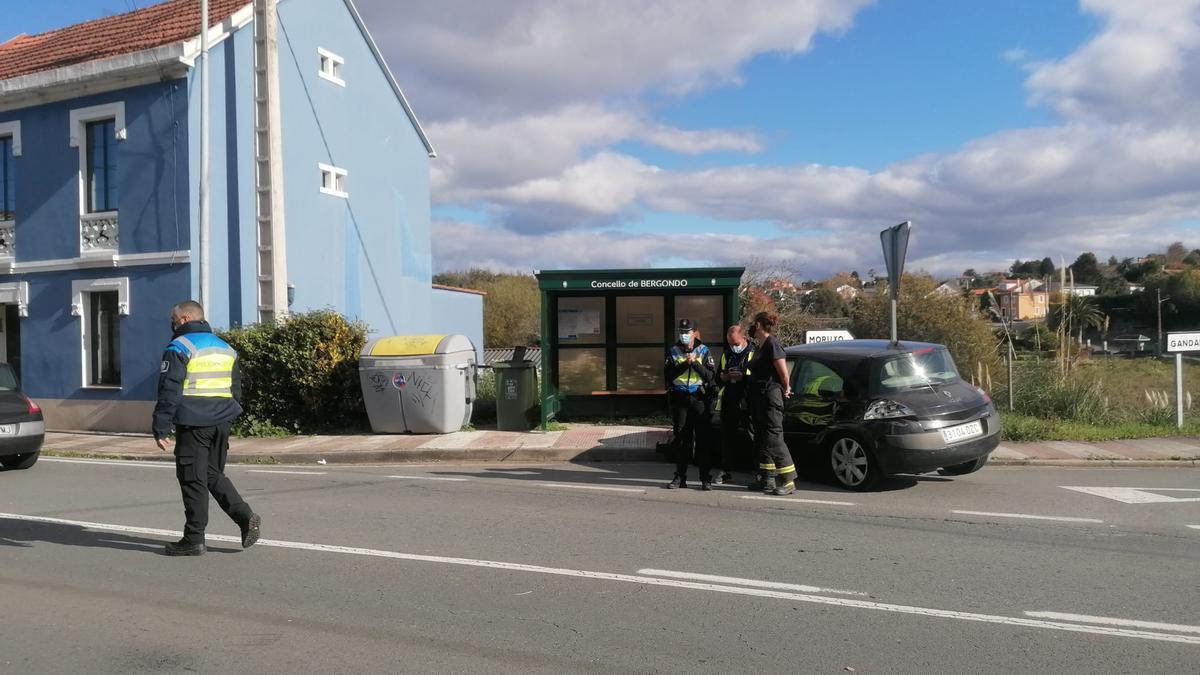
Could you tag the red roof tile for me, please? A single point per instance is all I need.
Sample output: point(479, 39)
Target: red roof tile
point(154, 26)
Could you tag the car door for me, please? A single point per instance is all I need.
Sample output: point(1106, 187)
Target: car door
point(817, 391)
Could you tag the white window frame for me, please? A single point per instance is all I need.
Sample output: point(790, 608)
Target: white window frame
point(16, 293)
point(331, 67)
point(80, 117)
point(81, 304)
point(337, 180)
point(12, 129)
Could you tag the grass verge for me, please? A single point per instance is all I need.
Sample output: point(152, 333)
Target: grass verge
point(1026, 428)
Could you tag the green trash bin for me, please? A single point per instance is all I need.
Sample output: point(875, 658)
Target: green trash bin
point(516, 395)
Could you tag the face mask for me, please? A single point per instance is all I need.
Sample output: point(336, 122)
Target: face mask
point(738, 349)
point(685, 338)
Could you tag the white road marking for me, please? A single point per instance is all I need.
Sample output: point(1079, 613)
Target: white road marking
point(1064, 519)
point(795, 500)
point(1111, 621)
point(738, 581)
point(110, 462)
point(448, 478)
point(580, 486)
point(290, 473)
point(660, 481)
point(1130, 495)
point(850, 603)
point(1194, 527)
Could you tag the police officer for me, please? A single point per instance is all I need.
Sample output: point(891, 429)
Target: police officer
point(689, 372)
point(731, 378)
point(769, 387)
point(199, 393)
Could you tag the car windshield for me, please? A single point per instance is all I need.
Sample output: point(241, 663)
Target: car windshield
point(918, 368)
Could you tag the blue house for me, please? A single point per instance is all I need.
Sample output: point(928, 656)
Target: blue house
point(99, 193)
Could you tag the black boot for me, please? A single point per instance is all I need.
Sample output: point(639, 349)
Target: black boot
point(768, 486)
point(183, 547)
point(251, 530)
point(677, 482)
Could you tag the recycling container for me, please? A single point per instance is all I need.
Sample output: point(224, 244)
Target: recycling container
point(420, 384)
point(516, 395)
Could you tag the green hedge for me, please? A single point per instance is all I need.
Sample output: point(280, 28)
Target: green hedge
point(300, 375)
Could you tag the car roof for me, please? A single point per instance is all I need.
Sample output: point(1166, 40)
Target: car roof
point(857, 350)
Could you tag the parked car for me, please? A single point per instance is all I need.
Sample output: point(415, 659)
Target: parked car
point(864, 409)
point(22, 429)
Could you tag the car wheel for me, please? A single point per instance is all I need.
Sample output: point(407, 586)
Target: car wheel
point(854, 465)
point(20, 461)
point(964, 468)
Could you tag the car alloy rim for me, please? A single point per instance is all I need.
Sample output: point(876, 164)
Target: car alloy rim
point(849, 461)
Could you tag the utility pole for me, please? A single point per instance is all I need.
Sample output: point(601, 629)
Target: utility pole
point(1158, 343)
point(203, 191)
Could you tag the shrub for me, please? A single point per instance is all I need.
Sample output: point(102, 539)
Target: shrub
point(300, 375)
point(927, 315)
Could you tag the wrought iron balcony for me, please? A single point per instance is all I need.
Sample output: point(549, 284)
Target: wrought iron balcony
point(8, 238)
point(98, 232)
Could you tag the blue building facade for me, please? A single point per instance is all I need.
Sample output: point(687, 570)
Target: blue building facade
point(98, 234)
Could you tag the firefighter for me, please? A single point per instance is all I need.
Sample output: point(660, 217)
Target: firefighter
point(689, 372)
point(199, 394)
point(769, 387)
point(731, 402)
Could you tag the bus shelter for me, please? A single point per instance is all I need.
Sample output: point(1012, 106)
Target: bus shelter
point(605, 334)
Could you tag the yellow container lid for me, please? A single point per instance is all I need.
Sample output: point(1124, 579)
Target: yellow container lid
point(406, 345)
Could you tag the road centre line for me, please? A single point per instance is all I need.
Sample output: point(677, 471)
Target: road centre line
point(738, 581)
point(1026, 516)
point(1111, 621)
point(796, 500)
point(581, 486)
point(849, 603)
point(456, 479)
point(290, 473)
point(1194, 527)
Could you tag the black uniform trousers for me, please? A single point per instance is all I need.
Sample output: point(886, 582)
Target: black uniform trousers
point(766, 405)
point(200, 455)
point(737, 435)
point(691, 414)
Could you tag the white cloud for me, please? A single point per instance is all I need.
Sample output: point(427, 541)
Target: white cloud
point(526, 101)
point(1142, 67)
point(529, 55)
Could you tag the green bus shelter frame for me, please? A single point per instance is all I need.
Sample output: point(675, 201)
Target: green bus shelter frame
point(609, 284)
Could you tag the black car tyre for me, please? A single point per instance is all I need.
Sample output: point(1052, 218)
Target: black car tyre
point(964, 468)
point(854, 465)
point(20, 461)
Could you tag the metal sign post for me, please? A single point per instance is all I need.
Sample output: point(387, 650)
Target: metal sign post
point(895, 247)
point(1178, 344)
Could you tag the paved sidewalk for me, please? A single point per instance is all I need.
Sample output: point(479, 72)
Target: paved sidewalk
point(578, 443)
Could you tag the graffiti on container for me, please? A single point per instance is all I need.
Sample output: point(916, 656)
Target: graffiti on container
point(378, 382)
point(420, 390)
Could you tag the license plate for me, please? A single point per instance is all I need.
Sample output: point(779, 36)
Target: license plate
point(962, 432)
point(8, 429)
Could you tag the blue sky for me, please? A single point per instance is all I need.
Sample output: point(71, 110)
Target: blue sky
point(652, 133)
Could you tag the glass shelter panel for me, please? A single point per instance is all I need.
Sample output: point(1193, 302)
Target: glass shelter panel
point(640, 368)
point(581, 321)
point(706, 312)
point(582, 371)
point(640, 319)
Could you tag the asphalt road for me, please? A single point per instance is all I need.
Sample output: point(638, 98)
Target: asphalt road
point(567, 568)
